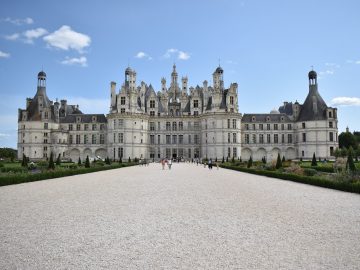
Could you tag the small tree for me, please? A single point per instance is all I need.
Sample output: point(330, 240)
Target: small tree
point(129, 160)
point(223, 160)
point(120, 160)
point(216, 160)
point(79, 161)
point(263, 160)
point(313, 162)
point(350, 161)
point(250, 162)
point(58, 160)
point(24, 161)
point(227, 159)
point(278, 162)
point(240, 159)
point(283, 159)
point(87, 162)
point(233, 160)
point(51, 162)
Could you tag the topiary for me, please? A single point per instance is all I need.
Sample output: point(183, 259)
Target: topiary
point(250, 162)
point(87, 162)
point(278, 162)
point(51, 162)
point(58, 161)
point(313, 162)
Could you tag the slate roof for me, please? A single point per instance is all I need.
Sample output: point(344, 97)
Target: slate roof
point(262, 117)
point(314, 107)
point(85, 118)
point(33, 110)
point(286, 108)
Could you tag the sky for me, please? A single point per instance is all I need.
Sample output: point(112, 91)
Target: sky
point(267, 47)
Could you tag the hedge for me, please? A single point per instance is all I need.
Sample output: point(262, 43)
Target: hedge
point(28, 177)
point(310, 180)
point(320, 168)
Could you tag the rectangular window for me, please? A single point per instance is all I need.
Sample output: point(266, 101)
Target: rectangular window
point(168, 126)
point(86, 127)
point(276, 138)
point(231, 100)
point(261, 126)
point(268, 126)
point(304, 137)
point(93, 127)
point(46, 115)
point(174, 126)
point(120, 152)
point(234, 137)
point(70, 127)
point(189, 153)
point(275, 126)
point(261, 138)
point(168, 152)
point(289, 127)
point(152, 139)
point(229, 140)
point(247, 138)
point(152, 103)
point(102, 139)
point(303, 125)
point(122, 110)
point(85, 139)
point(196, 103)
point(268, 138)
point(121, 123)
point(253, 126)
point(282, 126)
point(181, 125)
point(196, 125)
point(46, 125)
point(254, 138)
point(234, 152)
point(78, 127)
point(71, 139)
point(330, 124)
point(234, 123)
point(228, 123)
point(152, 126)
point(229, 152)
point(121, 137)
point(189, 139)
point(290, 138)
point(330, 114)
point(168, 139)
point(174, 139)
point(246, 126)
point(282, 138)
point(196, 139)
point(77, 139)
point(196, 113)
point(181, 139)
point(152, 113)
point(93, 139)
point(331, 136)
point(331, 151)
point(122, 100)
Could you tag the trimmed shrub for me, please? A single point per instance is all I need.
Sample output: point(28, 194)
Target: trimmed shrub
point(250, 162)
point(278, 162)
point(313, 162)
point(350, 162)
point(87, 162)
point(310, 172)
point(79, 161)
point(223, 160)
point(58, 160)
point(51, 162)
point(129, 160)
point(283, 159)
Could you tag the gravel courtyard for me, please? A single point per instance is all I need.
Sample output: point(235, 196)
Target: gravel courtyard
point(185, 218)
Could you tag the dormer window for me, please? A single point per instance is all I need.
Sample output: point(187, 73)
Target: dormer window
point(94, 118)
point(253, 119)
point(231, 100)
point(267, 118)
point(122, 100)
point(196, 103)
point(78, 119)
point(330, 114)
point(152, 104)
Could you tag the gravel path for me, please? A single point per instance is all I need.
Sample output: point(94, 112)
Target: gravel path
point(186, 218)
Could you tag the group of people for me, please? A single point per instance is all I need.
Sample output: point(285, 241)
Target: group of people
point(210, 163)
point(165, 161)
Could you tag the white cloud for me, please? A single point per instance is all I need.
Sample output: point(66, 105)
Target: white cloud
point(14, 36)
point(141, 55)
point(32, 34)
point(4, 135)
point(326, 72)
point(181, 55)
point(19, 21)
point(82, 61)
point(333, 65)
point(357, 62)
point(4, 54)
point(87, 105)
point(231, 62)
point(65, 38)
point(345, 101)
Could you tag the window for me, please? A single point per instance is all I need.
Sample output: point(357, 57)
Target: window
point(158, 125)
point(276, 138)
point(234, 123)
point(304, 137)
point(289, 127)
point(247, 138)
point(70, 127)
point(152, 126)
point(168, 127)
point(261, 138)
point(231, 100)
point(189, 139)
point(268, 126)
point(152, 139)
point(282, 138)
point(85, 139)
point(331, 136)
point(196, 125)
point(330, 124)
point(45, 134)
point(158, 139)
point(122, 100)
point(282, 126)
point(152, 113)
point(71, 139)
point(253, 126)
point(181, 139)
point(168, 139)
point(181, 125)
point(174, 126)
point(45, 141)
point(228, 123)
point(289, 138)
point(46, 115)
point(234, 137)
point(196, 103)
point(275, 126)
point(120, 152)
point(46, 125)
point(77, 139)
point(78, 127)
point(168, 152)
point(102, 138)
point(93, 139)
point(268, 138)
point(261, 126)
point(152, 103)
point(86, 127)
point(196, 113)
point(93, 127)
point(189, 153)
point(229, 152)
point(174, 139)
point(122, 110)
point(234, 152)
point(114, 137)
point(229, 138)
point(246, 126)
point(331, 151)
point(121, 137)
point(302, 153)
point(121, 123)
point(330, 114)
point(196, 139)
point(303, 125)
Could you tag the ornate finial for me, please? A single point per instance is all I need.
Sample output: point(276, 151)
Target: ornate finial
point(219, 62)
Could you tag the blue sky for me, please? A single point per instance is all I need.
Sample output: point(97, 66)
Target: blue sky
point(267, 47)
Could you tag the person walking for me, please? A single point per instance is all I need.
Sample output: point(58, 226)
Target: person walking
point(169, 163)
point(163, 163)
point(210, 164)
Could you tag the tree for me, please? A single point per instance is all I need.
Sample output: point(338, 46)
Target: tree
point(58, 160)
point(79, 161)
point(227, 159)
point(233, 160)
point(278, 162)
point(283, 159)
point(24, 162)
point(250, 162)
point(337, 152)
point(129, 160)
point(347, 139)
point(350, 161)
point(223, 160)
point(313, 162)
point(120, 160)
point(87, 162)
point(240, 159)
point(51, 162)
